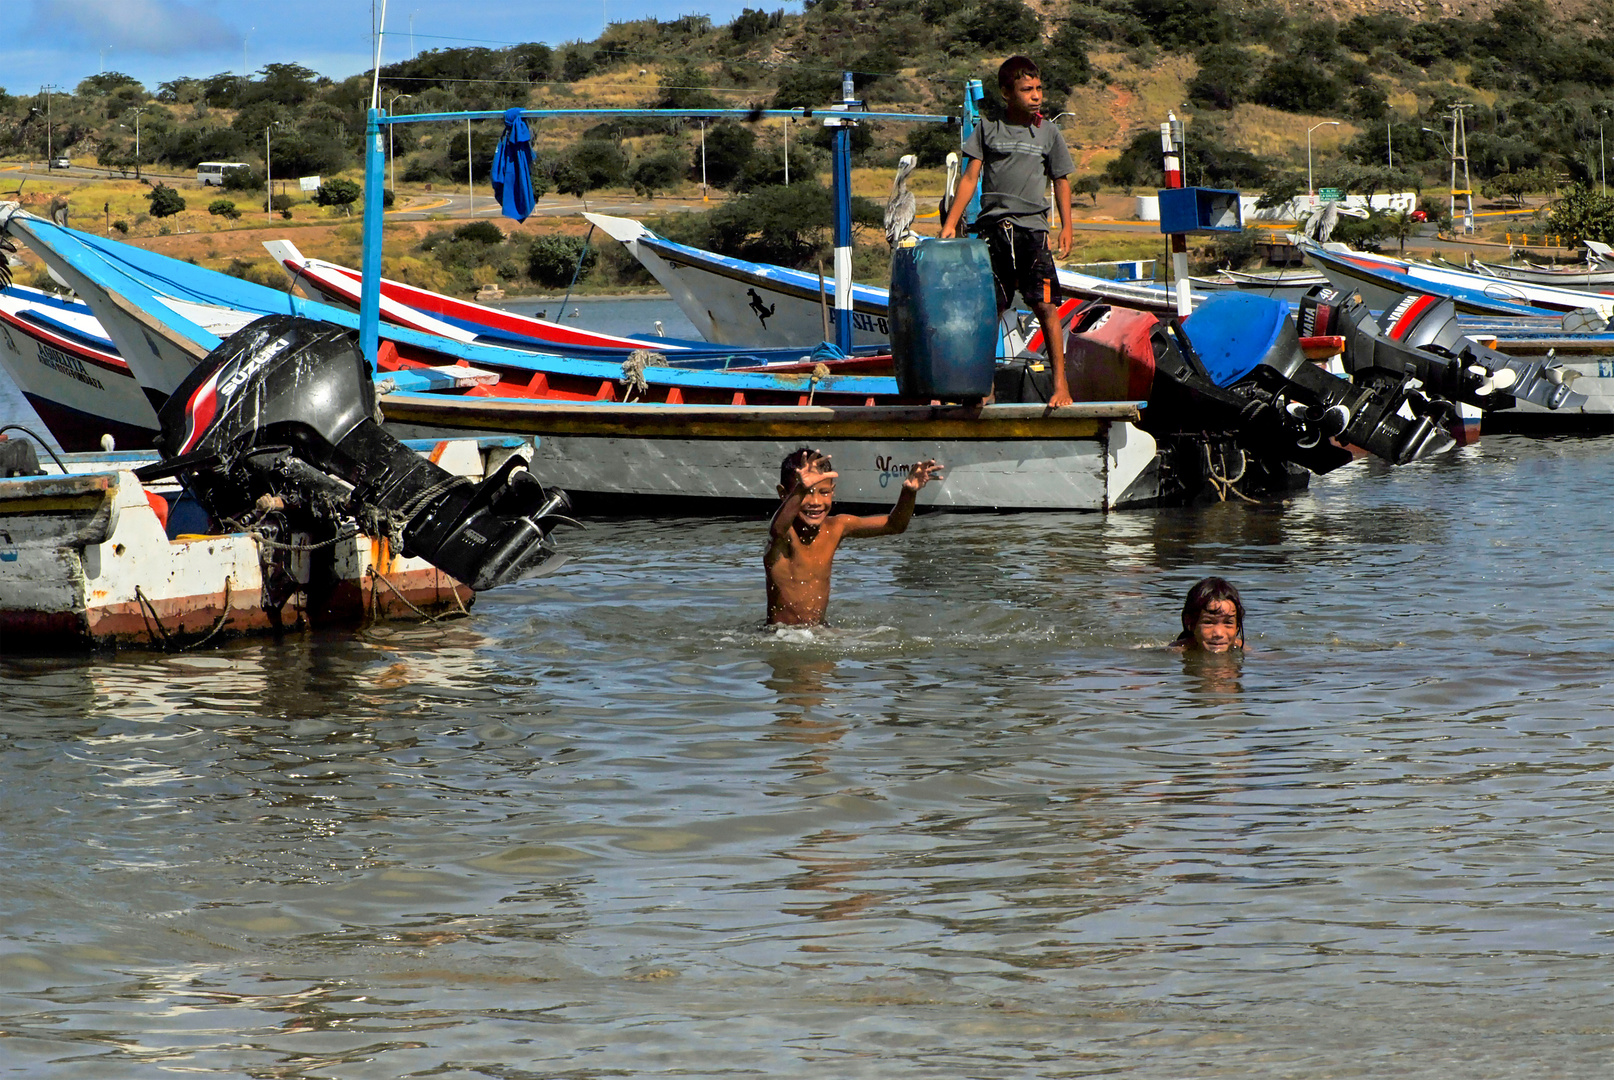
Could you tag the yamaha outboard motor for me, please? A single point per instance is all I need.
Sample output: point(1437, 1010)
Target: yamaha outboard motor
point(280, 417)
point(1237, 366)
point(1421, 338)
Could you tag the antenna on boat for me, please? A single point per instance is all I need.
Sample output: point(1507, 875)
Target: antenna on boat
point(378, 30)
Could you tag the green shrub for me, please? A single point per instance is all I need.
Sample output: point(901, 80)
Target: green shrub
point(165, 201)
point(223, 208)
point(339, 192)
point(122, 226)
point(242, 178)
point(482, 232)
point(551, 260)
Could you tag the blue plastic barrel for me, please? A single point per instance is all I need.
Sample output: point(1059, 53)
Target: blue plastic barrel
point(944, 320)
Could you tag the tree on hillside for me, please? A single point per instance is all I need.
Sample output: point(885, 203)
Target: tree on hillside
point(165, 201)
point(995, 26)
point(729, 149)
point(106, 83)
point(339, 192)
point(1583, 214)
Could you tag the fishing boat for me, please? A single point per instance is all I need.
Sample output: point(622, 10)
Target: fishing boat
point(698, 459)
point(164, 315)
point(70, 373)
point(89, 560)
point(1596, 273)
point(463, 320)
point(1384, 281)
point(749, 303)
point(1288, 284)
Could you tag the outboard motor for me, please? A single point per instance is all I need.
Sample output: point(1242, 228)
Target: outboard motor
point(1236, 365)
point(1421, 338)
point(278, 422)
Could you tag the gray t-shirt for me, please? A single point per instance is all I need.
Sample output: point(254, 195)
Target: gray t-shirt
point(1017, 162)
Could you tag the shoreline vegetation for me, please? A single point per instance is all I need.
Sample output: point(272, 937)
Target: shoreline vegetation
point(1274, 99)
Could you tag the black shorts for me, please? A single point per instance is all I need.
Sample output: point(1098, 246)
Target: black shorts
point(1021, 262)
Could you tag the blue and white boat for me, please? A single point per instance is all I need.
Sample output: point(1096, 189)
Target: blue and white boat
point(1383, 282)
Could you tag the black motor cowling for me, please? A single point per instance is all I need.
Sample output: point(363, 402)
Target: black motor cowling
point(283, 410)
point(1420, 337)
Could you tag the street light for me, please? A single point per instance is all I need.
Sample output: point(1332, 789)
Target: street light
point(137, 113)
point(393, 157)
point(50, 152)
point(1311, 189)
point(268, 186)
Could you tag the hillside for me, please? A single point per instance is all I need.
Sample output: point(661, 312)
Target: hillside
point(1276, 96)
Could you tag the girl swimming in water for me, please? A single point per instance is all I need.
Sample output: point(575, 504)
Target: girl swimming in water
point(1212, 618)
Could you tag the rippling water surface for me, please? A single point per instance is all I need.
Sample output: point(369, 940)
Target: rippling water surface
point(984, 827)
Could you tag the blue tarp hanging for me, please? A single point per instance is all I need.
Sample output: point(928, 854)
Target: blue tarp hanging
point(512, 168)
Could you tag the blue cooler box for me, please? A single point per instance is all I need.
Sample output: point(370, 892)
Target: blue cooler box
point(944, 320)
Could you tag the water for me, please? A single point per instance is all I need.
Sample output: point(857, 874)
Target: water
point(984, 827)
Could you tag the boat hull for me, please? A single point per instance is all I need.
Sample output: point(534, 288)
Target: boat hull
point(87, 563)
point(1009, 457)
point(81, 393)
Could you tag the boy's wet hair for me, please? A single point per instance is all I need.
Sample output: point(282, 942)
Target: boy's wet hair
point(1205, 593)
point(1016, 68)
point(793, 462)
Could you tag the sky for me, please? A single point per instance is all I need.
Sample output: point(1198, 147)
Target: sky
point(61, 42)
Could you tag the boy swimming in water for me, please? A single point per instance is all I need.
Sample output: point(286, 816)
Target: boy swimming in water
point(803, 535)
point(1212, 618)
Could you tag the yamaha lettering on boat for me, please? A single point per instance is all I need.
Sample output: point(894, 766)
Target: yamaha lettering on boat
point(274, 431)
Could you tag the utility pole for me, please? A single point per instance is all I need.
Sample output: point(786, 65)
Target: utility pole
point(50, 152)
point(1459, 152)
point(137, 113)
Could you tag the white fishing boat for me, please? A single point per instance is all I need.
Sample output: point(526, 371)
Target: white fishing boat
point(70, 373)
point(1384, 281)
point(1596, 273)
point(748, 303)
point(1087, 457)
point(86, 560)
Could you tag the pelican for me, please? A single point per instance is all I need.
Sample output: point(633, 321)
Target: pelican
point(951, 185)
point(1320, 226)
point(900, 207)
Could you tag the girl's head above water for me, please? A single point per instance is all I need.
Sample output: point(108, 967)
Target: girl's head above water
point(1212, 617)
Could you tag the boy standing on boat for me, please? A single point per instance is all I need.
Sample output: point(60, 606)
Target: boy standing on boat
point(1013, 159)
point(803, 535)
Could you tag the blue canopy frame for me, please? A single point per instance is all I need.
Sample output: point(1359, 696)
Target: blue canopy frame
point(842, 118)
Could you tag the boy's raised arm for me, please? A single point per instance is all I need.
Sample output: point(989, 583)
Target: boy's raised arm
point(919, 474)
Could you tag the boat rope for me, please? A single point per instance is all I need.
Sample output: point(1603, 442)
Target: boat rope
point(396, 520)
point(578, 269)
point(35, 436)
point(820, 373)
point(633, 372)
point(1222, 483)
point(148, 612)
point(145, 610)
point(377, 575)
point(260, 538)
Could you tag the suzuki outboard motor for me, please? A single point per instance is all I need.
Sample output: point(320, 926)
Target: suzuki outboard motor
point(1421, 337)
point(281, 414)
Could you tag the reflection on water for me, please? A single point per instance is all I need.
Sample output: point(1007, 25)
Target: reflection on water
point(987, 825)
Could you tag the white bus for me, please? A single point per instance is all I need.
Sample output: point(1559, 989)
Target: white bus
point(211, 173)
